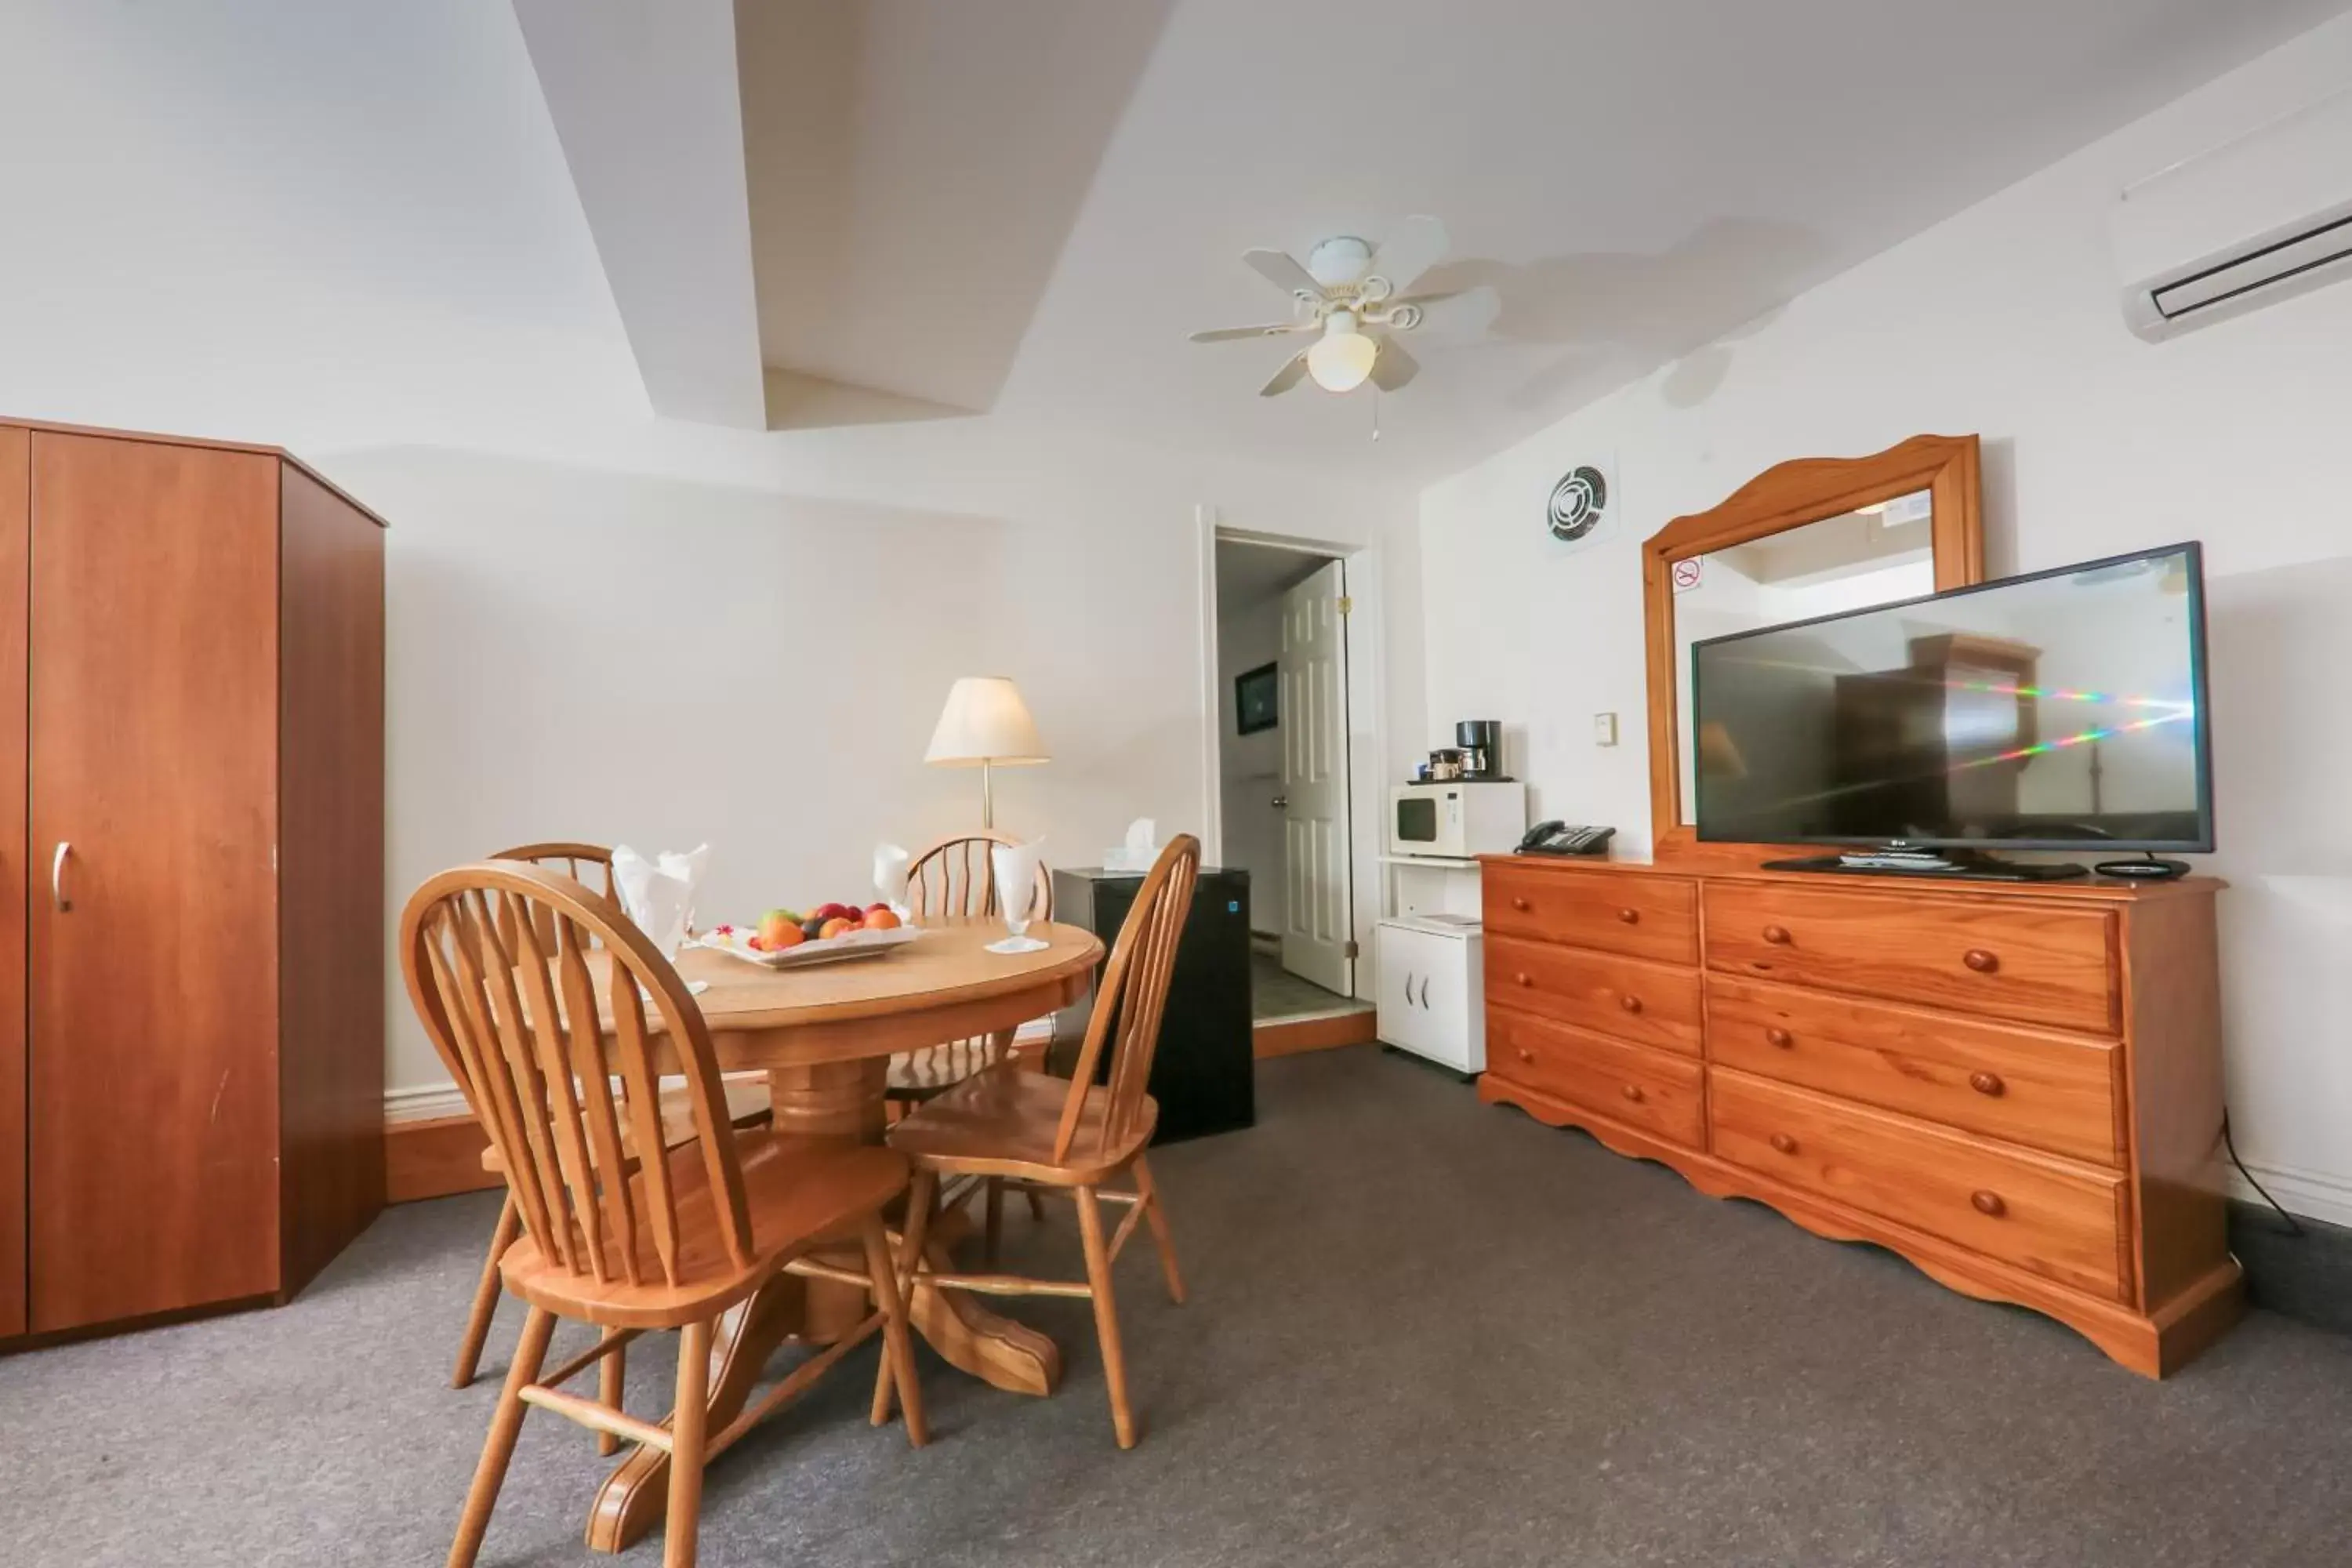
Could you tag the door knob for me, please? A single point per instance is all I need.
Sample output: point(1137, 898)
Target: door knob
point(1520, 905)
point(1281, 801)
point(1989, 1204)
point(1633, 1093)
point(1630, 1004)
point(1777, 935)
point(1630, 917)
point(1784, 1143)
point(1982, 962)
point(1780, 1037)
point(1986, 1082)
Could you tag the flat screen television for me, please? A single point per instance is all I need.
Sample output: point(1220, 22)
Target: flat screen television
point(2061, 710)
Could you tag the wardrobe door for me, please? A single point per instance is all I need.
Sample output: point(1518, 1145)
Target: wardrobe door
point(16, 480)
point(153, 725)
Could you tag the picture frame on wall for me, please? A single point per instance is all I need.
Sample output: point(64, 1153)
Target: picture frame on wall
point(1257, 701)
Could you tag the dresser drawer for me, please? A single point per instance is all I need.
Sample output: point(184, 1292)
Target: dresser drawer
point(2060, 1220)
point(1638, 913)
point(1642, 1088)
point(2036, 964)
point(2049, 1091)
point(1628, 998)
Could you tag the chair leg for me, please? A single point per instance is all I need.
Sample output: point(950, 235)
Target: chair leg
point(612, 1381)
point(486, 1295)
point(1036, 1204)
point(1155, 1215)
point(688, 1422)
point(994, 1231)
point(897, 1345)
point(921, 1193)
point(1090, 1231)
point(498, 1447)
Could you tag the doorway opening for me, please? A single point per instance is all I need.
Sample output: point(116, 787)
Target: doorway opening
point(1284, 790)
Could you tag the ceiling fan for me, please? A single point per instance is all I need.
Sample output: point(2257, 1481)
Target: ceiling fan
point(1353, 296)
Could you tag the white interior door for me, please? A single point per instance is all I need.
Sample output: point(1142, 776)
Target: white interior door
point(1317, 934)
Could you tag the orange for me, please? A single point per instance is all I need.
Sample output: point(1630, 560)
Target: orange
point(881, 920)
point(790, 936)
point(833, 927)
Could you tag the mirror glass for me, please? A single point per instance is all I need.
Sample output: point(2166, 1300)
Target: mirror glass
point(1877, 554)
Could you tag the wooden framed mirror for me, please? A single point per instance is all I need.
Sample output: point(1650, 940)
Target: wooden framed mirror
point(1814, 536)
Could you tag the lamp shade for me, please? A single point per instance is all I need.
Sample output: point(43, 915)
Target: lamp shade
point(984, 721)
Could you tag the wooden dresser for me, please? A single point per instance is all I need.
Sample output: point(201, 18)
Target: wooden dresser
point(2016, 1085)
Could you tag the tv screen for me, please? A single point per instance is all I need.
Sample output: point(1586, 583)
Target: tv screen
point(2057, 711)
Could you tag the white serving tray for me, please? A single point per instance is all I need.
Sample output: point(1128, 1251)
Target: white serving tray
point(831, 950)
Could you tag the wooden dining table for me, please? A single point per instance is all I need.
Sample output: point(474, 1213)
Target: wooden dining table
point(824, 1035)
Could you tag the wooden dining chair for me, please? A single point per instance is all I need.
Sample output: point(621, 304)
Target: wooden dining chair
point(1068, 1138)
point(747, 1106)
point(670, 1240)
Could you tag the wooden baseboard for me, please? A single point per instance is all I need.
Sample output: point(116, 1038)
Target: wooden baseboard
point(433, 1158)
point(1289, 1036)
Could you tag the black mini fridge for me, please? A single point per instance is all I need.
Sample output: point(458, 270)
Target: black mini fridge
point(1202, 1076)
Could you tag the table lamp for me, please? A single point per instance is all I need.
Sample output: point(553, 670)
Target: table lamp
point(986, 725)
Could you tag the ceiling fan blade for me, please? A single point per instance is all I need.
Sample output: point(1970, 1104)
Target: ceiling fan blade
point(1289, 376)
point(1457, 317)
point(1412, 248)
point(1234, 334)
point(1282, 269)
point(1393, 367)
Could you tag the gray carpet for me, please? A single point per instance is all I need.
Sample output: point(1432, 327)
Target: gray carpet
point(1424, 1332)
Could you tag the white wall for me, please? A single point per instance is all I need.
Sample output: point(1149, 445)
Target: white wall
point(1249, 767)
point(601, 624)
point(2004, 320)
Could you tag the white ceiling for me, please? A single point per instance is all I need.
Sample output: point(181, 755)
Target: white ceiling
point(1635, 176)
point(1021, 205)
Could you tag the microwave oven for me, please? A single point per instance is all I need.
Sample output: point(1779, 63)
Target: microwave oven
point(1456, 819)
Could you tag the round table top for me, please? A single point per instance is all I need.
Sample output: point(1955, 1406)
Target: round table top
point(947, 971)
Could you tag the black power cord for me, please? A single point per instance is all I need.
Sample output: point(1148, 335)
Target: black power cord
point(2293, 1225)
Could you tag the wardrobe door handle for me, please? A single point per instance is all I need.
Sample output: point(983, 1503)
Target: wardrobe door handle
point(1981, 961)
point(1780, 1037)
point(1407, 987)
point(1989, 1204)
point(58, 879)
point(1424, 990)
point(1777, 935)
point(1986, 1082)
point(1784, 1143)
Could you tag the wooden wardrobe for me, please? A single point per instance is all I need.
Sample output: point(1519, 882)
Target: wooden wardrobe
point(192, 938)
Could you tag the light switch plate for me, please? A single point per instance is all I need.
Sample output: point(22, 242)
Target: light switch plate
point(1604, 728)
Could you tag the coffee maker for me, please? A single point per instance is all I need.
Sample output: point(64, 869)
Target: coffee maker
point(1480, 741)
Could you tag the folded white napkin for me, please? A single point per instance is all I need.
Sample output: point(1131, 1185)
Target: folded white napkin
point(890, 864)
point(658, 894)
point(1016, 892)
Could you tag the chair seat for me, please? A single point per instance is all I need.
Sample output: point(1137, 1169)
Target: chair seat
point(747, 1106)
point(1003, 1122)
point(797, 1193)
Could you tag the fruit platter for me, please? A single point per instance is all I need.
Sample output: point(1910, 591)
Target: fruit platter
point(829, 933)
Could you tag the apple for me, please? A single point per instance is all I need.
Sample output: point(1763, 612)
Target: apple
point(833, 927)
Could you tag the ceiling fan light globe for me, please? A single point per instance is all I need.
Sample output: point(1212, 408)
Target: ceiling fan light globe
point(1339, 362)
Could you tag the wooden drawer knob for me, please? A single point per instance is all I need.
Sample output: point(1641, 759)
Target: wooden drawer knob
point(1989, 1204)
point(1780, 1037)
point(1784, 1143)
point(1982, 962)
point(1522, 978)
point(1986, 1082)
point(1519, 904)
point(1631, 917)
point(1633, 1093)
point(1777, 934)
point(1630, 1004)
point(1525, 1055)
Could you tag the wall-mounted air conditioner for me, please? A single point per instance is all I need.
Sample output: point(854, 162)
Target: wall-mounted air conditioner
point(2254, 221)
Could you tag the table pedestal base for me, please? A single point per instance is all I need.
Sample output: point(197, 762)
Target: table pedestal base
point(838, 1102)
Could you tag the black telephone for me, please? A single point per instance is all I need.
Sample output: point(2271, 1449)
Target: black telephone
point(1558, 837)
